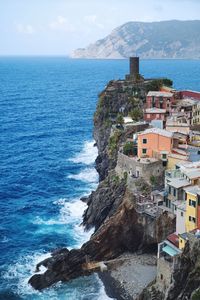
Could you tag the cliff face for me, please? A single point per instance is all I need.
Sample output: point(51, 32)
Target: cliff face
point(111, 208)
point(166, 39)
point(124, 231)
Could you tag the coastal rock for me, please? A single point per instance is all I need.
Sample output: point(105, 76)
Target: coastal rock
point(124, 231)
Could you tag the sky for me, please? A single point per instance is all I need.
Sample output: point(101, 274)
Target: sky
point(57, 27)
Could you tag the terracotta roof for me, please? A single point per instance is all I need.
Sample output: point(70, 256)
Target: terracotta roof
point(173, 238)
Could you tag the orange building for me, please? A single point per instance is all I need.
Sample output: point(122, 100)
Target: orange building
point(156, 143)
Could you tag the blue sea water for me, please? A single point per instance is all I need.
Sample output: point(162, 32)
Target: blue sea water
point(47, 160)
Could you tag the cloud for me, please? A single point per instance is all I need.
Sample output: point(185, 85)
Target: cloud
point(92, 20)
point(62, 24)
point(25, 29)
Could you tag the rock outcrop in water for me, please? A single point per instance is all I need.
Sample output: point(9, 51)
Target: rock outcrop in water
point(124, 231)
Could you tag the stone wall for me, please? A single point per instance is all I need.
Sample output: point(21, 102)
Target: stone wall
point(139, 168)
point(164, 274)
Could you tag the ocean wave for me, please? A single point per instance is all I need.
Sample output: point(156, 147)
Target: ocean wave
point(87, 156)
point(70, 213)
point(22, 270)
point(89, 175)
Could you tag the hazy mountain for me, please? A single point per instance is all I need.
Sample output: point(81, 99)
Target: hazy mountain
point(166, 39)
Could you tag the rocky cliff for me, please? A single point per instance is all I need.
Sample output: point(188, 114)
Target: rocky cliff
point(112, 207)
point(166, 39)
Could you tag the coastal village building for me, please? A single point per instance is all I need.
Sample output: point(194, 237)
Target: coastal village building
point(189, 108)
point(155, 142)
point(151, 114)
point(176, 182)
point(161, 100)
point(192, 220)
point(178, 123)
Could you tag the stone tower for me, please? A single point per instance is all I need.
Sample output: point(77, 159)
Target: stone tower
point(134, 67)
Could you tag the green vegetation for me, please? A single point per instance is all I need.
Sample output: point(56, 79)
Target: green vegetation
point(100, 106)
point(133, 100)
point(167, 82)
point(128, 148)
point(196, 295)
point(155, 85)
point(113, 142)
point(115, 179)
point(120, 119)
point(136, 114)
point(107, 123)
point(125, 176)
point(153, 180)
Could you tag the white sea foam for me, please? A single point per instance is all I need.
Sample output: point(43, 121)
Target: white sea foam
point(89, 175)
point(70, 213)
point(102, 292)
point(22, 270)
point(88, 154)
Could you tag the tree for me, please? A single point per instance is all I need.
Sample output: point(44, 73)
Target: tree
point(167, 82)
point(136, 114)
point(120, 119)
point(128, 148)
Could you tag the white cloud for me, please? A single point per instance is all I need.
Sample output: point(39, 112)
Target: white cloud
point(62, 24)
point(92, 20)
point(25, 29)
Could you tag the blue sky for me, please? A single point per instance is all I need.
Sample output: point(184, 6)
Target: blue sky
point(56, 27)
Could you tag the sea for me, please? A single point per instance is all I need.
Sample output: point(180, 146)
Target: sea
point(47, 157)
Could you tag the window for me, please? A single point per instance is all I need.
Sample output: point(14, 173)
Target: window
point(144, 141)
point(181, 214)
point(192, 219)
point(144, 151)
point(170, 189)
point(192, 203)
point(161, 276)
point(181, 241)
point(164, 156)
point(174, 193)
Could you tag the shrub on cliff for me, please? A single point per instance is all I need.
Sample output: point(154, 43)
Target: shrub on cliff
point(136, 114)
point(128, 148)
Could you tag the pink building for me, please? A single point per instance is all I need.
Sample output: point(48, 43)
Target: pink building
point(151, 114)
point(161, 100)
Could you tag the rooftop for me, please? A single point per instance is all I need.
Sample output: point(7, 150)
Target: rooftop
point(186, 102)
point(170, 249)
point(155, 110)
point(188, 165)
point(173, 238)
point(192, 174)
point(178, 182)
point(159, 94)
point(195, 189)
point(158, 131)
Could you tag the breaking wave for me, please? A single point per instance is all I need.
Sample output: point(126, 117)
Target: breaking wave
point(88, 154)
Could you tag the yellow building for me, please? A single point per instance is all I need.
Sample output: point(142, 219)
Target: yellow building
point(191, 217)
